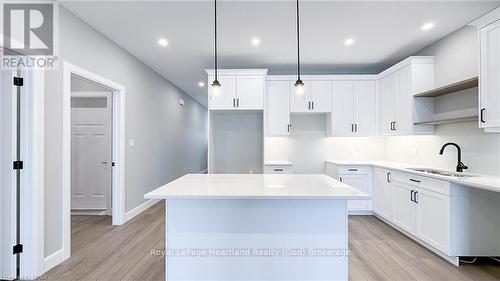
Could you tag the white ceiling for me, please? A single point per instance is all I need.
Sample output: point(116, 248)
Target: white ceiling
point(385, 32)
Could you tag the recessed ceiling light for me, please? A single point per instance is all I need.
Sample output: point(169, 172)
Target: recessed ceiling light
point(255, 41)
point(201, 84)
point(163, 42)
point(427, 26)
point(349, 41)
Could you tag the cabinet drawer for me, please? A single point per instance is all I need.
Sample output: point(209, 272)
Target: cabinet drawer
point(278, 169)
point(439, 186)
point(353, 170)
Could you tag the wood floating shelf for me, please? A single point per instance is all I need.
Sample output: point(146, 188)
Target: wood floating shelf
point(449, 120)
point(451, 88)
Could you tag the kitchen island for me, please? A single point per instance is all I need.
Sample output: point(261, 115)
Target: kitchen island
point(256, 227)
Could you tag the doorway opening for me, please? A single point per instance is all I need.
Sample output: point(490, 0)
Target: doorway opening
point(93, 150)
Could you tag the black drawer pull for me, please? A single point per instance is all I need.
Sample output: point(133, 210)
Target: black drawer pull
point(278, 170)
point(352, 170)
point(415, 180)
point(388, 177)
point(482, 115)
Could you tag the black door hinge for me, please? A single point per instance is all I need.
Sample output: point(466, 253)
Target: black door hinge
point(18, 165)
point(18, 81)
point(17, 249)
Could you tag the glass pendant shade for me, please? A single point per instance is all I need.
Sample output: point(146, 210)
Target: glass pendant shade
point(299, 88)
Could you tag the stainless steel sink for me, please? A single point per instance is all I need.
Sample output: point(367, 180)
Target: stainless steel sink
point(441, 173)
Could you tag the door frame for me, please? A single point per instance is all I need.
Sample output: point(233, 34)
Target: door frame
point(32, 175)
point(118, 149)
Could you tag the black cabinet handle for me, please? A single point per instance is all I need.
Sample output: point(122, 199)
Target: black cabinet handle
point(352, 128)
point(352, 170)
point(388, 177)
point(289, 127)
point(482, 115)
point(238, 102)
point(413, 180)
point(234, 102)
point(394, 126)
point(278, 170)
point(415, 197)
point(340, 179)
point(411, 195)
point(312, 105)
point(355, 127)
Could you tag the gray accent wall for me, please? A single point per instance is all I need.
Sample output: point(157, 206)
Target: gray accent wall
point(170, 139)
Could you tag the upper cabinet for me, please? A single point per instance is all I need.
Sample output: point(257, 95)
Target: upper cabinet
point(317, 97)
point(489, 76)
point(354, 111)
point(277, 110)
point(399, 111)
point(242, 89)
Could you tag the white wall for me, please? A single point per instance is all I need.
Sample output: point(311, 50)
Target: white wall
point(456, 59)
point(307, 147)
point(170, 139)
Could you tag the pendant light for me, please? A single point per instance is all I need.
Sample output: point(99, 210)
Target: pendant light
point(299, 85)
point(216, 85)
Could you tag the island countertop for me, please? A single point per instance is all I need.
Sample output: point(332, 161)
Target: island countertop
point(257, 186)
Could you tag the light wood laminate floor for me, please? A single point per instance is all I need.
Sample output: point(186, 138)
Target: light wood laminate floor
point(378, 252)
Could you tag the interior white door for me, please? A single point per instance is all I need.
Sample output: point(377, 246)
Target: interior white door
point(342, 108)
point(359, 182)
point(365, 107)
point(489, 91)
point(226, 97)
point(250, 92)
point(299, 103)
point(387, 89)
point(433, 219)
point(277, 112)
point(404, 210)
point(403, 101)
point(7, 175)
point(382, 195)
point(90, 151)
point(321, 96)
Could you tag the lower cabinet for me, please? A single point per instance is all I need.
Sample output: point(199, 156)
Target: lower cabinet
point(382, 193)
point(359, 182)
point(404, 209)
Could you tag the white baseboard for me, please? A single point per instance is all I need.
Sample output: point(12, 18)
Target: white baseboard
point(139, 209)
point(53, 260)
point(360, 213)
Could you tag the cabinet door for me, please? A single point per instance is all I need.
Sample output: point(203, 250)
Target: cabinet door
point(277, 111)
point(250, 92)
point(226, 97)
point(342, 109)
point(403, 101)
point(321, 96)
point(404, 210)
point(359, 182)
point(433, 219)
point(387, 89)
point(300, 103)
point(489, 76)
point(365, 109)
point(382, 194)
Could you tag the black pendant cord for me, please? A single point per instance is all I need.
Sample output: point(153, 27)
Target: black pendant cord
point(215, 42)
point(298, 42)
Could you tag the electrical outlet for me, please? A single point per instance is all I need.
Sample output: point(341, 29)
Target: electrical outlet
point(131, 143)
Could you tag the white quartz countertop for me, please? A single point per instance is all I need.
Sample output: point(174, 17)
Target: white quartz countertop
point(485, 182)
point(257, 186)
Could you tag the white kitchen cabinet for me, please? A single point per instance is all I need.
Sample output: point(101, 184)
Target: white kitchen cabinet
point(226, 96)
point(250, 92)
point(398, 110)
point(277, 109)
point(316, 98)
point(353, 108)
point(489, 76)
point(359, 182)
point(433, 219)
point(404, 210)
point(242, 89)
point(382, 193)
